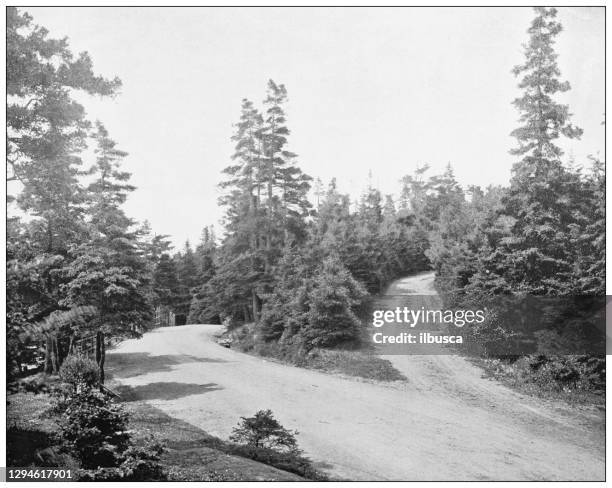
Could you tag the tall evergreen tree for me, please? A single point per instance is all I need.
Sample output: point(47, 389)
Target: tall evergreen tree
point(47, 127)
point(109, 270)
point(188, 280)
point(286, 185)
point(46, 133)
point(543, 119)
point(265, 201)
point(537, 254)
point(166, 282)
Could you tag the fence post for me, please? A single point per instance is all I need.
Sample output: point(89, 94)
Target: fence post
point(100, 354)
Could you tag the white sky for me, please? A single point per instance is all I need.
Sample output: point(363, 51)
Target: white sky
point(370, 89)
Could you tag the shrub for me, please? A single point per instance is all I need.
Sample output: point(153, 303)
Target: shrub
point(262, 438)
point(333, 299)
point(141, 463)
point(263, 430)
point(94, 428)
point(136, 463)
point(586, 373)
point(36, 384)
point(80, 372)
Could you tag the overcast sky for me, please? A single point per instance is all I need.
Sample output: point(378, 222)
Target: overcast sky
point(369, 89)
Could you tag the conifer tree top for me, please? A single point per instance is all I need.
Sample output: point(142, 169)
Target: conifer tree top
point(542, 119)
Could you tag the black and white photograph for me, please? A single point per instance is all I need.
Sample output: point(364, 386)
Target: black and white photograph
point(305, 243)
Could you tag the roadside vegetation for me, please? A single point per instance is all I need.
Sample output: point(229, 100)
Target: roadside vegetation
point(577, 380)
point(360, 362)
point(536, 247)
point(83, 429)
point(66, 421)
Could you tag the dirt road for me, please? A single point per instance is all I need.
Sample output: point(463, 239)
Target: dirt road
point(444, 423)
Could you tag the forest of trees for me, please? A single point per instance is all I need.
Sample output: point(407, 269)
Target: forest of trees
point(297, 258)
point(302, 273)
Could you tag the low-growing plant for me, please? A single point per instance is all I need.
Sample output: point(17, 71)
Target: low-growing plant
point(94, 429)
point(263, 430)
point(136, 463)
point(80, 372)
point(262, 438)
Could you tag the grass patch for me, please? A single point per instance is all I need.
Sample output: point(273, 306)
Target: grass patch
point(361, 363)
point(194, 455)
point(31, 433)
point(191, 455)
point(353, 363)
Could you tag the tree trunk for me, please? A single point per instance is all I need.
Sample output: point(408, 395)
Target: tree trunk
point(255, 305)
point(49, 236)
point(54, 355)
point(246, 313)
point(100, 354)
point(48, 355)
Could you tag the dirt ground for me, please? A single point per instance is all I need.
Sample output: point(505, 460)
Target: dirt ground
point(445, 423)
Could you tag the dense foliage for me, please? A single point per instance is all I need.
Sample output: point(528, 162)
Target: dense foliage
point(542, 237)
point(94, 429)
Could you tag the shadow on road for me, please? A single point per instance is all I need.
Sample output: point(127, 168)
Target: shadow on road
point(128, 365)
point(162, 390)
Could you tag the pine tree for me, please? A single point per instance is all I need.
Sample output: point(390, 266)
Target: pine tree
point(188, 280)
point(109, 270)
point(165, 282)
point(537, 255)
point(333, 302)
point(543, 119)
point(200, 310)
point(286, 185)
point(590, 237)
point(244, 218)
point(47, 128)
point(265, 201)
point(46, 134)
point(206, 255)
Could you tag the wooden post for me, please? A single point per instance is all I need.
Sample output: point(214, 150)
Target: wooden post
point(100, 354)
point(54, 354)
point(48, 354)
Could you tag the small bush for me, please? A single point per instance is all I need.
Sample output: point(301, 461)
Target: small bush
point(263, 430)
point(94, 428)
point(36, 384)
point(262, 438)
point(576, 378)
point(80, 372)
point(136, 463)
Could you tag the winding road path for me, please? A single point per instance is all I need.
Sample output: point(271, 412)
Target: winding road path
point(444, 423)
